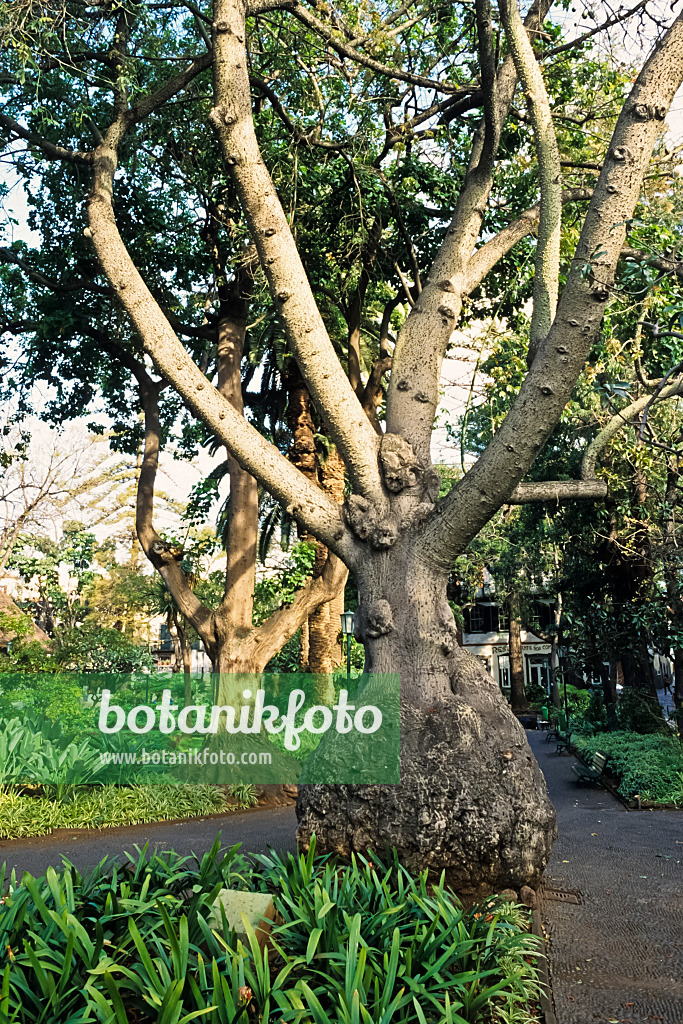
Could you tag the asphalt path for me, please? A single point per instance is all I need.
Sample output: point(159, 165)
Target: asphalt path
point(256, 830)
point(616, 949)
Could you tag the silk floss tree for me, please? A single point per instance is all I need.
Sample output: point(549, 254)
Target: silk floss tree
point(472, 799)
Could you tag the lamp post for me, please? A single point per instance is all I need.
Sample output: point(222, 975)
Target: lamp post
point(347, 630)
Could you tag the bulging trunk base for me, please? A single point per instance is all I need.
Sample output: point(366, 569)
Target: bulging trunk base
point(472, 799)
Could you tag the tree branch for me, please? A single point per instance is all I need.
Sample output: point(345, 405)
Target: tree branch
point(558, 490)
point(49, 149)
point(547, 263)
point(309, 19)
point(306, 502)
point(484, 259)
point(281, 626)
point(329, 386)
point(159, 553)
point(663, 263)
point(413, 393)
point(559, 361)
point(623, 418)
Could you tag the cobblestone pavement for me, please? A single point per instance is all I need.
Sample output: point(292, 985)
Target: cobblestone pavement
point(617, 955)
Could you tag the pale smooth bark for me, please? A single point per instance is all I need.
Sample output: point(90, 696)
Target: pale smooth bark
point(547, 262)
point(624, 418)
point(560, 358)
point(328, 384)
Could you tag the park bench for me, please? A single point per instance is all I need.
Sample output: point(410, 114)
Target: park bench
point(592, 772)
point(561, 733)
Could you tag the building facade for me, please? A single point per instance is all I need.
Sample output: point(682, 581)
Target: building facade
point(486, 636)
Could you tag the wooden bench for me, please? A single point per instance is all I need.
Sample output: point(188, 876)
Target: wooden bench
point(592, 772)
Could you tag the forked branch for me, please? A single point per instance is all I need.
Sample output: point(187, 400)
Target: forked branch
point(271, 233)
point(561, 356)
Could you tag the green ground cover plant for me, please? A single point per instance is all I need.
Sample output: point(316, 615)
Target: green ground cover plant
point(51, 778)
point(648, 765)
point(365, 943)
point(23, 815)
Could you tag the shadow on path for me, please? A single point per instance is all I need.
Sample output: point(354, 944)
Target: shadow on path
point(618, 954)
point(271, 826)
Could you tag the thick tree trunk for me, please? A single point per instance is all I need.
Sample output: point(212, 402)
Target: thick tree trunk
point(518, 699)
point(637, 666)
point(472, 798)
point(320, 650)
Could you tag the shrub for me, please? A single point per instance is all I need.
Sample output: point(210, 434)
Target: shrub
point(648, 765)
point(365, 943)
point(636, 712)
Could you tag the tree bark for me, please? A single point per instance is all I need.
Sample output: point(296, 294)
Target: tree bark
point(472, 800)
point(555, 649)
point(609, 693)
point(320, 651)
point(518, 698)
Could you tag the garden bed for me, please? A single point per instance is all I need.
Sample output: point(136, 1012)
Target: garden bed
point(364, 943)
point(648, 769)
point(24, 815)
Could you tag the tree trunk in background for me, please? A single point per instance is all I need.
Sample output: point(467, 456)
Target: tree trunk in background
point(518, 699)
point(637, 666)
point(305, 648)
point(609, 692)
point(325, 652)
point(233, 617)
point(672, 575)
point(678, 677)
point(320, 650)
point(555, 650)
point(636, 662)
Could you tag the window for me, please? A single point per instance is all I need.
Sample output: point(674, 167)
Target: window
point(476, 619)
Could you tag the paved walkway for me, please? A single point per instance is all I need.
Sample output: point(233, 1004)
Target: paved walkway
point(256, 830)
point(618, 954)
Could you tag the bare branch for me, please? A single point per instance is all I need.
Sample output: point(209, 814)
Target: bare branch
point(549, 383)
point(666, 264)
point(558, 490)
point(346, 50)
point(280, 259)
point(485, 258)
point(413, 392)
point(547, 264)
point(624, 418)
point(580, 40)
point(48, 149)
point(283, 624)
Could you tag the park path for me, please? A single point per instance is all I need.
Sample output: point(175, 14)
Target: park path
point(617, 954)
point(256, 830)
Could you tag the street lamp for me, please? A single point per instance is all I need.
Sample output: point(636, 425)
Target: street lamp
point(347, 630)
